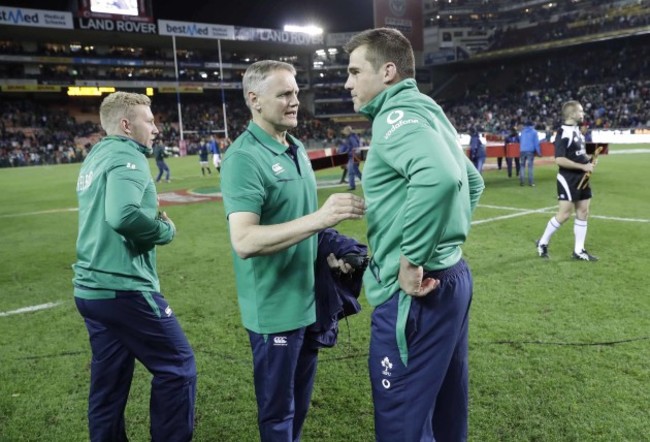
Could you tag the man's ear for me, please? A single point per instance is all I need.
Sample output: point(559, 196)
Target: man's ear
point(252, 99)
point(390, 73)
point(124, 125)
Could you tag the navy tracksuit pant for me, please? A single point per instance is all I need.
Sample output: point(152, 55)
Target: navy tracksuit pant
point(284, 368)
point(418, 362)
point(138, 325)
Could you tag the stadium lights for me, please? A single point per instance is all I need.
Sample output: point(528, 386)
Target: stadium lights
point(309, 29)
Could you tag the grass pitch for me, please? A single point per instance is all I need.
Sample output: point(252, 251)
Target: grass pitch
point(559, 349)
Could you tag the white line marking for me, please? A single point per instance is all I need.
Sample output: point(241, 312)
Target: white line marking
point(623, 151)
point(551, 209)
point(30, 309)
point(516, 209)
point(42, 212)
point(512, 215)
point(614, 218)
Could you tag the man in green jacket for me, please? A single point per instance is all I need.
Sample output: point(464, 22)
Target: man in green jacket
point(116, 284)
point(420, 190)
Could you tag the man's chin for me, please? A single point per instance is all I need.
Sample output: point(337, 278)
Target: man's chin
point(290, 123)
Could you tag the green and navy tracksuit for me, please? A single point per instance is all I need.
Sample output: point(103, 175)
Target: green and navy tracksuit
point(421, 190)
point(276, 293)
point(117, 291)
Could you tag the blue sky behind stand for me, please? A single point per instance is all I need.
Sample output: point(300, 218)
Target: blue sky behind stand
point(331, 15)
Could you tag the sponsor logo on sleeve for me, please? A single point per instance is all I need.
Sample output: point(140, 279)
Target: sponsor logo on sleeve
point(396, 120)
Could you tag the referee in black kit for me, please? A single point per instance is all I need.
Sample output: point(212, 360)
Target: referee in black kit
point(571, 156)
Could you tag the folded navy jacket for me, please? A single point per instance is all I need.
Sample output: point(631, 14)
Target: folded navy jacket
point(336, 293)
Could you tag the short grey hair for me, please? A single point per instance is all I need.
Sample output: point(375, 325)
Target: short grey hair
point(258, 72)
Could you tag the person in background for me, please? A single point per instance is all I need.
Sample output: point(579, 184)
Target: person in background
point(477, 149)
point(224, 144)
point(159, 154)
point(573, 162)
point(350, 146)
point(116, 285)
point(421, 190)
point(203, 157)
point(513, 137)
point(213, 148)
point(270, 200)
point(528, 148)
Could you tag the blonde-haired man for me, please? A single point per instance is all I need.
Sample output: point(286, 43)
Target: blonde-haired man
point(116, 285)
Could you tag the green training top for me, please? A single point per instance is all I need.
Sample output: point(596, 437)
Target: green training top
point(275, 292)
point(118, 223)
point(419, 185)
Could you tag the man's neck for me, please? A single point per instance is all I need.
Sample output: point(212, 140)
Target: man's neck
point(279, 136)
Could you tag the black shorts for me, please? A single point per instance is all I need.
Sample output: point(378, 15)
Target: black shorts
point(567, 187)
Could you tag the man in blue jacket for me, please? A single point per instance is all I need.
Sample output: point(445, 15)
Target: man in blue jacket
point(528, 147)
point(351, 146)
point(477, 151)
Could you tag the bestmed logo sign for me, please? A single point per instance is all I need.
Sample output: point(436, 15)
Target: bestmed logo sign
point(197, 30)
point(35, 17)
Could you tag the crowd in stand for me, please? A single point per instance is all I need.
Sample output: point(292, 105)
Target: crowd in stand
point(33, 134)
point(36, 134)
point(538, 22)
point(575, 23)
point(610, 81)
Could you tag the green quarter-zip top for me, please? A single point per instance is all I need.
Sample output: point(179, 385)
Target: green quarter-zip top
point(119, 225)
point(419, 185)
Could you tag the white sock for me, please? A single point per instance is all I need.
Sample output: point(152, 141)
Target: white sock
point(580, 232)
point(551, 227)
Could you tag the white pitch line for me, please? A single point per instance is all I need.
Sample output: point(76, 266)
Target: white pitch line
point(515, 209)
point(42, 212)
point(30, 309)
point(512, 215)
point(614, 218)
point(551, 209)
point(624, 151)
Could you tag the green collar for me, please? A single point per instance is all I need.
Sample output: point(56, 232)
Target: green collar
point(374, 106)
point(267, 141)
point(140, 147)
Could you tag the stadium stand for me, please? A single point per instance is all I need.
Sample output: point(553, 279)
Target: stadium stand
point(506, 76)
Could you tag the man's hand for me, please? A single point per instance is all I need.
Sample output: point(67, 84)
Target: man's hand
point(338, 264)
point(589, 167)
point(164, 217)
point(339, 207)
point(411, 279)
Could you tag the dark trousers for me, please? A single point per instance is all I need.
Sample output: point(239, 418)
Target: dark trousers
point(509, 165)
point(353, 172)
point(138, 325)
point(284, 368)
point(162, 167)
point(418, 362)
